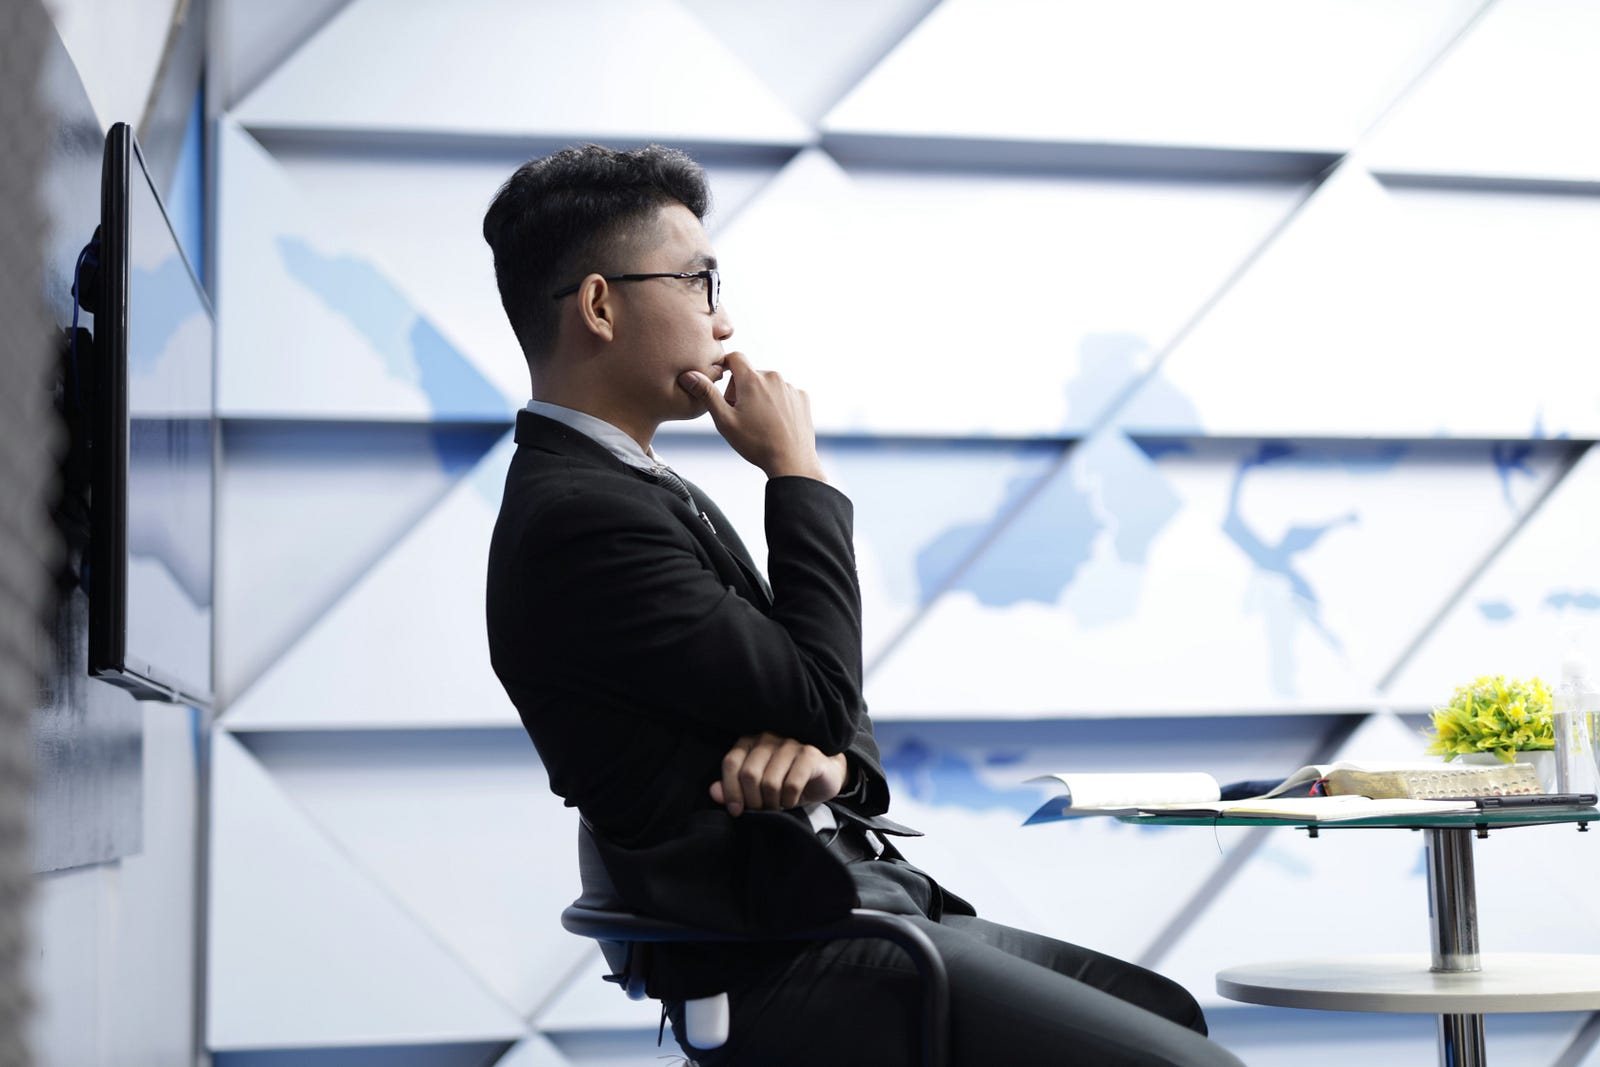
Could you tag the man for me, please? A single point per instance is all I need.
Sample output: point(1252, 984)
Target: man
point(710, 728)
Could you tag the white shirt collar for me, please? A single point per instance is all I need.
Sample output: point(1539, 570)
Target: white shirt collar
point(601, 433)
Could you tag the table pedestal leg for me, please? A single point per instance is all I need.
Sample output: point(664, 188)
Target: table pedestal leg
point(1453, 910)
point(1461, 1040)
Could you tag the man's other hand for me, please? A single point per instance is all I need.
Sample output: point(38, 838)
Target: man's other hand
point(764, 418)
point(765, 772)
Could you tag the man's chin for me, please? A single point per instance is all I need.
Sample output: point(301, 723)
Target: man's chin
point(692, 410)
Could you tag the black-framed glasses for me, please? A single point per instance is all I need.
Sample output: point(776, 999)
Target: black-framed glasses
point(709, 278)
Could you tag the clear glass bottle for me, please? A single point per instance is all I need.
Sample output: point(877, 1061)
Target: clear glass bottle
point(1574, 711)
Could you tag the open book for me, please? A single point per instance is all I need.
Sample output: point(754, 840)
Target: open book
point(1421, 781)
point(1367, 790)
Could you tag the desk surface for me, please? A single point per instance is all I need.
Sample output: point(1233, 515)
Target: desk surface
point(1464, 820)
point(1508, 982)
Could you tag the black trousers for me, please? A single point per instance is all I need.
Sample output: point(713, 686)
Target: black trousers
point(1016, 998)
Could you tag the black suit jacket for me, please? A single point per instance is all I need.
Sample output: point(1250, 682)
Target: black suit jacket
point(637, 641)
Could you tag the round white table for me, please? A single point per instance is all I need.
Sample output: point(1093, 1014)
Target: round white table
point(1457, 983)
point(1508, 982)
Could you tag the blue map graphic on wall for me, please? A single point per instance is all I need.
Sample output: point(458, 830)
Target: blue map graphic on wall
point(1496, 610)
point(1511, 463)
point(896, 513)
point(944, 777)
point(1587, 600)
point(412, 349)
point(1061, 528)
point(1278, 557)
point(1049, 532)
point(1044, 532)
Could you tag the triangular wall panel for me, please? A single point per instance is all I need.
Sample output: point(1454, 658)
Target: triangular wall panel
point(1512, 99)
point(418, 218)
point(913, 303)
point(810, 54)
point(1538, 598)
point(406, 645)
point(437, 254)
point(305, 949)
point(1163, 72)
point(1248, 571)
point(513, 69)
point(461, 828)
point(253, 39)
point(535, 1050)
point(275, 576)
point(1383, 312)
point(589, 1002)
point(309, 328)
point(119, 54)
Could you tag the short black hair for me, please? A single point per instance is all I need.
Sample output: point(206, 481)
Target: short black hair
point(578, 212)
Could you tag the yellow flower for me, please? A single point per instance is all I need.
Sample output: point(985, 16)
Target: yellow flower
point(1493, 715)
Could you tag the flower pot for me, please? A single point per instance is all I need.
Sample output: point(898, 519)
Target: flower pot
point(1543, 760)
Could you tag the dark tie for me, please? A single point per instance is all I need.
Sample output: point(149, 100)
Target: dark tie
point(667, 478)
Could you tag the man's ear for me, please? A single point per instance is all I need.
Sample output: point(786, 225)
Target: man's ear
point(597, 307)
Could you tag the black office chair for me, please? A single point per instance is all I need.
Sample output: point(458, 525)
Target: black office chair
point(622, 935)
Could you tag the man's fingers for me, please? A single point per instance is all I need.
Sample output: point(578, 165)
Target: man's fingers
point(783, 764)
point(694, 383)
point(772, 773)
point(732, 796)
point(699, 386)
point(801, 771)
point(752, 770)
point(764, 418)
point(738, 367)
point(742, 768)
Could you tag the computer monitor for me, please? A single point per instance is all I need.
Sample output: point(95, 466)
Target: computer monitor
point(153, 448)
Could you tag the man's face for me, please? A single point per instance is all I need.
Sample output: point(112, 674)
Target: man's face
point(664, 325)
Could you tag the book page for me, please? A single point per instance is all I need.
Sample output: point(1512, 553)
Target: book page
point(1120, 792)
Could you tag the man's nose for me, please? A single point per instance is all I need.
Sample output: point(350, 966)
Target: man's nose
point(722, 323)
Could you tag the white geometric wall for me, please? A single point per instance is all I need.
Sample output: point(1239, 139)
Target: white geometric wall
point(1253, 348)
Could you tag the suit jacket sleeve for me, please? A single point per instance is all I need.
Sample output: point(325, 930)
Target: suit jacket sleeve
point(869, 787)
